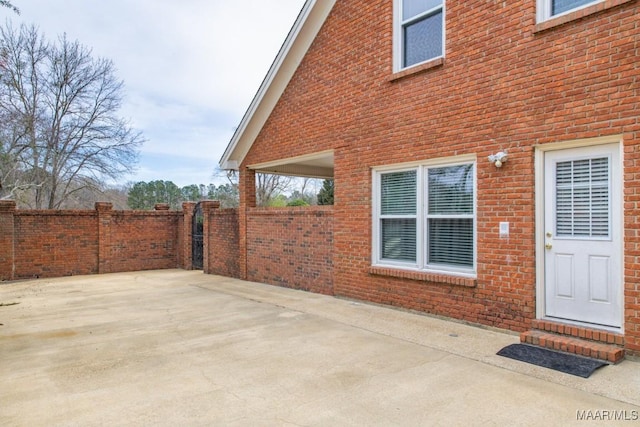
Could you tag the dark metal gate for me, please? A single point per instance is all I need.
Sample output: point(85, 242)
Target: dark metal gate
point(197, 238)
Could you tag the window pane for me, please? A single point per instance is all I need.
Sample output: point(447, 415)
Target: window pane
point(451, 190)
point(411, 8)
point(451, 241)
point(399, 193)
point(399, 239)
point(423, 40)
point(582, 198)
point(560, 6)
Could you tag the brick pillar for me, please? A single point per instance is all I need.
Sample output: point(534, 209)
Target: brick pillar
point(207, 210)
point(187, 230)
point(104, 210)
point(247, 188)
point(7, 239)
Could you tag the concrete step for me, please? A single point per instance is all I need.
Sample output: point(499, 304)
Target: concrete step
point(593, 343)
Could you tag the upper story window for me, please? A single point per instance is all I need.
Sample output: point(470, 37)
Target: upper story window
point(418, 32)
point(548, 9)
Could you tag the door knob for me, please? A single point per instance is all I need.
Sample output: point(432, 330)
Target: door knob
point(548, 246)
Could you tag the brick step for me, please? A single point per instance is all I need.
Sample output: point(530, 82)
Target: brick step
point(588, 334)
point(569, 344)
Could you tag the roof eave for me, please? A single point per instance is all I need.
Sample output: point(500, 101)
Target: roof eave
point(293, 50)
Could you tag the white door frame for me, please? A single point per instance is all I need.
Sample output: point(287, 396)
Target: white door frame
point(540, 151)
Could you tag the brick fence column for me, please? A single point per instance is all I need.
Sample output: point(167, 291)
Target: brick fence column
point(247, 188)
point(7, 239)
point(104, 210)
point(207, 207)
point(187, 230)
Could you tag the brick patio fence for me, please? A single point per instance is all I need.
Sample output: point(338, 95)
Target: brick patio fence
point(287, 246)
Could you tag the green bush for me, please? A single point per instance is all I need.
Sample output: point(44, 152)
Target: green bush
point(297, 202)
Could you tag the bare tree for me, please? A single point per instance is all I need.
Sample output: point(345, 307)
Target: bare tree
point(59, 122)
point(268, 186)
point(11, 179)
point(6, 3)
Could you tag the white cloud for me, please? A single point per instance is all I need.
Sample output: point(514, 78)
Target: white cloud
point(190, 68)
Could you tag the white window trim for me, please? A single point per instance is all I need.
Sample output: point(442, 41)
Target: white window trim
point(398, 42)
point(377, 231)
point(545, 7)
point(421, 238)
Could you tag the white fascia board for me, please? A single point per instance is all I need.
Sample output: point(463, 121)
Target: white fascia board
point(298, 41)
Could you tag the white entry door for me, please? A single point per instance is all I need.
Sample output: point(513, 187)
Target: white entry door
point(583, 232)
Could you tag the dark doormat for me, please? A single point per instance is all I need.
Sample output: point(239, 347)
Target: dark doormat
point(567, 363)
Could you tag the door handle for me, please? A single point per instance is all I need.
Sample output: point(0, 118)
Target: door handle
point(548, 246)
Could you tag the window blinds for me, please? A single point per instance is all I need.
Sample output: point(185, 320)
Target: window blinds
point(442, 230)
point(450, 216)
point(582, 198)
point(398, 215)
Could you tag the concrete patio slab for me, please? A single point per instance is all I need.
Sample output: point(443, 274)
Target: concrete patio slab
point(177, 347)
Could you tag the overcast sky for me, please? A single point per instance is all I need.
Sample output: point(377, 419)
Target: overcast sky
point(190, 68)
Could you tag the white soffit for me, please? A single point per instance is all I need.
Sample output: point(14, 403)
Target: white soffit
point(301, 35)
point(317, 165)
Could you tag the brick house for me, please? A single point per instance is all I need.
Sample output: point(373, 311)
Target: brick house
point(410, 105)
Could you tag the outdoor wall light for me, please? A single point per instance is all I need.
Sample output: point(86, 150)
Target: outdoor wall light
point(498, 159)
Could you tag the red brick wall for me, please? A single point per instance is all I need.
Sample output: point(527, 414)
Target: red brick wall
point(291, 247)
point(55, 243)
point(180, 244)
point(7, 228)
point(49, 243)
point(222, 238)
point(503, 85)
point(186, 236)
point(141, 241)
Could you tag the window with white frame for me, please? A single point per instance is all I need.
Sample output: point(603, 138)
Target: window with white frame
point(424, 218)
point(550, 8)
point(419, 31)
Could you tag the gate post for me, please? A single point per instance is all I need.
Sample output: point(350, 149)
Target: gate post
point(7, 239)
point(187, 229)
point(207, 207)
